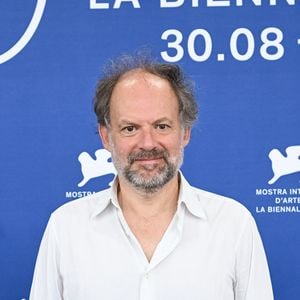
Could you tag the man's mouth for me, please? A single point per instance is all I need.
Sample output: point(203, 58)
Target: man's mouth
point(148, 158)
point(149, 161)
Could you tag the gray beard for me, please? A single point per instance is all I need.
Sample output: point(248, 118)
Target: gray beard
point(154, 183)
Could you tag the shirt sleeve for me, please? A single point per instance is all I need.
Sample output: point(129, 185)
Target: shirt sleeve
point(47, 283)
point(252, 273)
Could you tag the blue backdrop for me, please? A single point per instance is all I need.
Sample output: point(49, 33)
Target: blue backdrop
point(244, 56)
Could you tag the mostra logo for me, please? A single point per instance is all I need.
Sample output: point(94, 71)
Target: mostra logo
point(92, 166)
point(27, 35)
point(283, 165)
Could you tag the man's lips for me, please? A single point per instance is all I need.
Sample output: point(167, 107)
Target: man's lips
point(153, 159)
point(149, 164)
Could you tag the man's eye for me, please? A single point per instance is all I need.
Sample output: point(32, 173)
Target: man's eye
point(128, 129)
point(162, 126)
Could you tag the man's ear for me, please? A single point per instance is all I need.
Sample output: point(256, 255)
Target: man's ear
point(103, 132)
point(186, 136)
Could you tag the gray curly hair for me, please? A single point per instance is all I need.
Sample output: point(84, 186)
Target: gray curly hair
point(172, 73)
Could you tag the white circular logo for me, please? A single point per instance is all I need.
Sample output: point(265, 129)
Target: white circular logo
point(29, 32)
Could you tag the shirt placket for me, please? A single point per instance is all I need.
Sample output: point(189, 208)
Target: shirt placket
point(165, 247)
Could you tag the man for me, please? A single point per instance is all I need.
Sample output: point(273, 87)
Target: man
point(151, 236)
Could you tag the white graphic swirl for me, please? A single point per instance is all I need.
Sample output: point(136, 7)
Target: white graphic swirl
point(26, 37)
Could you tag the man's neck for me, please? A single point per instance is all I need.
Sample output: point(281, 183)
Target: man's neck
point(148, 215)
point(149, 205)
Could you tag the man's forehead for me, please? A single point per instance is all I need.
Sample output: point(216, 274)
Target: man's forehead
point(138, 75)
point(141, 97)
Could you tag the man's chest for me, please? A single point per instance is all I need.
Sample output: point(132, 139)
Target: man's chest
point(113, 266)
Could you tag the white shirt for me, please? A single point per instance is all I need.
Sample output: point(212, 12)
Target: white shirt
point(211, 251)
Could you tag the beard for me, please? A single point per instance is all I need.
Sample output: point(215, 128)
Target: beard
point(149, 178)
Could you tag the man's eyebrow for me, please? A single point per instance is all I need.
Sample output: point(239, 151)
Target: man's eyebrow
point(125, 122)
point(161, 120)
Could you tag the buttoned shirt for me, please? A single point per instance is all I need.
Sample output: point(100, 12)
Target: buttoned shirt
point(211, 250)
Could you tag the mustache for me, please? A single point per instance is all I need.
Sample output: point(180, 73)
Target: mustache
point(147, 154)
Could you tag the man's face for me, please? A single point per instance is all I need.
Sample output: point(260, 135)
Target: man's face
point(145, 136)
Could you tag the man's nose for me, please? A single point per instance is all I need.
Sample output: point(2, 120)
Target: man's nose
point(147, 139)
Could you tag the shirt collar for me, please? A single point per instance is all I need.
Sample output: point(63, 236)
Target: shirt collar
point(106, 197)
point(187, 196)
point(191, 199)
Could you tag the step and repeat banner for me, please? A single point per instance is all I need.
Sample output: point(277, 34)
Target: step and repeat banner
point(244, 57)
